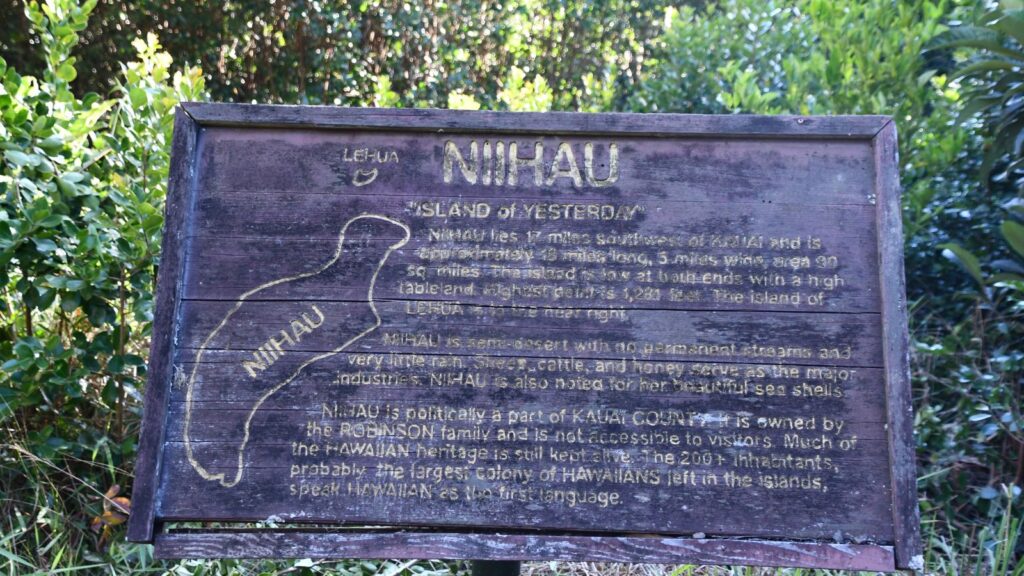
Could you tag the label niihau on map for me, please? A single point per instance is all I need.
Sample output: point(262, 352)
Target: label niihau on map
point(587, 327)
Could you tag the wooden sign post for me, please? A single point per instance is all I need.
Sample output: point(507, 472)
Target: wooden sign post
point(636, 338)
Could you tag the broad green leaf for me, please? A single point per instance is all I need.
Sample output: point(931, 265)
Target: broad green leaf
point(18, 116)
point(977, 37)
point(137, 96)
point(965, 259)
point(992, 65)
point(1010, 23)
point(1000, 280)
point(67, 72)
point(1007, 265)
point(1014, 234)
point(51, 143)
point(16, 158)
point(43, 165)
point(70, 302)
point(67, 188)
point(52, 221)
point(45, 245)
point(86, 122)
point(39, 125)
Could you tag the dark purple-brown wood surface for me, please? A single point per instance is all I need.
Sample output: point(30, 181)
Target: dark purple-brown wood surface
point(637, 549)
point(616, 324)
point(168, 296)
point(897, 355)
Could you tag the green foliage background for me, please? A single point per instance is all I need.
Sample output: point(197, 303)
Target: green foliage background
point(87, 93)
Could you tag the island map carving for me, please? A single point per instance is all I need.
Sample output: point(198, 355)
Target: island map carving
point(580, 325)
point(333, 326)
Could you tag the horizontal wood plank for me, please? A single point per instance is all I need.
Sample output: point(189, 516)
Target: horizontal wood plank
point(457, 546)
point(417, 326)
point(432, 120)
point(298, 162)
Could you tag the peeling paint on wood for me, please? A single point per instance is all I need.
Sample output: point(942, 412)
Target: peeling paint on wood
point(589, 327)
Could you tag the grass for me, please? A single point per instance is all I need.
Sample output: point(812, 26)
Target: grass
point(992, 550)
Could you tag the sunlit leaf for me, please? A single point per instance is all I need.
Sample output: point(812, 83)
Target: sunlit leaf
point(1014, 234)
point(138, 97)
point(67, 72)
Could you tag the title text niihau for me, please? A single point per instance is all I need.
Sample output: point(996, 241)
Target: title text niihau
point(274, 348)
point(499, 164)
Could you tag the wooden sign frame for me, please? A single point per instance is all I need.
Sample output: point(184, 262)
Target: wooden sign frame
point(192, 119)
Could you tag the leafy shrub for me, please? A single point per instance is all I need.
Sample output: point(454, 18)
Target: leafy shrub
point(836, 57)
point(877, 57)
point(82, 183)
point(986, 364)
point(82, 188)
point(339, 52)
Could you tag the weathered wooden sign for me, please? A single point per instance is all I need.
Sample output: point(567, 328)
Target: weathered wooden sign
point(655, 338)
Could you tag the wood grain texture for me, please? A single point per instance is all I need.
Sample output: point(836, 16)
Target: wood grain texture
point(303, 161)
point(906, 515)
point(572, 336)
point(854, 506)
point(416, 545)
point(168, 293)
point(731, 282)
point(852, 127)
point(223, 263)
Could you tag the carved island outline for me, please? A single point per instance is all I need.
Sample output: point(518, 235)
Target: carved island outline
point(263, 398)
